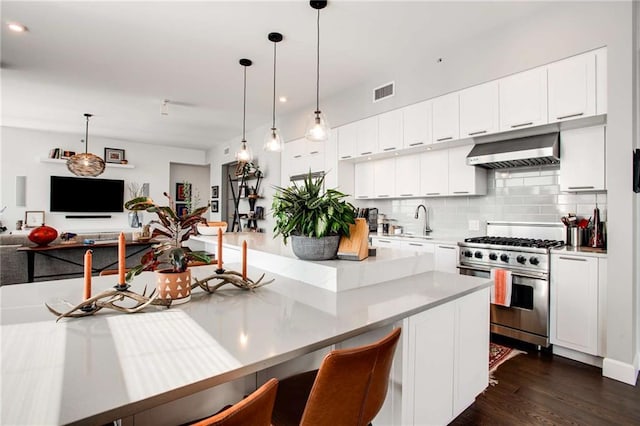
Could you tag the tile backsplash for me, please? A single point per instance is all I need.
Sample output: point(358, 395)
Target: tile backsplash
point(529, 194)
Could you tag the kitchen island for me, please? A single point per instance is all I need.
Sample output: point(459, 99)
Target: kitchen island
point(145, 367)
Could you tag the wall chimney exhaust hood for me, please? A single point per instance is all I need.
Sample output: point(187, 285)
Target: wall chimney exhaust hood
point(521, 152)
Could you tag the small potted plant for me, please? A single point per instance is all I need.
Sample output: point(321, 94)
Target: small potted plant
point(168, 258)
point(315, 220)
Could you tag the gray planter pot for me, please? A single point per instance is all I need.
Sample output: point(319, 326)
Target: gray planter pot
point(307, 248)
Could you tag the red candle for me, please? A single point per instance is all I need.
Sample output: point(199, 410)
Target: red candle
point(122, 250)
point(88, 256)
point(244, 260)
point(219, 253)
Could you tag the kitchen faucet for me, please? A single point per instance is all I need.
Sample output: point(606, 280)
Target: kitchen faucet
point(426, 218)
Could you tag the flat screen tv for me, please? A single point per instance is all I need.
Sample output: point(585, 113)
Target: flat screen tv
point(86, 195)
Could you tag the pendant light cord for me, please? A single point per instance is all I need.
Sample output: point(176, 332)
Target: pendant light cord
point(244, 103)
point(273, 125)
point(86, 137)
point(318, 65)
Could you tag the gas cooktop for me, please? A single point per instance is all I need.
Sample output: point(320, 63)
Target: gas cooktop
point(515, 242)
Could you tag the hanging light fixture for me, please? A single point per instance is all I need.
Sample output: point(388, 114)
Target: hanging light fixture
point(86, 164)
point(244, 154)
point(317, 127)
point(273, 139)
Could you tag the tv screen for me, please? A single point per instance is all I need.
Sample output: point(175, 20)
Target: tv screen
point(86, 195)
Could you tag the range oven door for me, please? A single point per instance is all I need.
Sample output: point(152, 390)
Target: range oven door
point(527, 318)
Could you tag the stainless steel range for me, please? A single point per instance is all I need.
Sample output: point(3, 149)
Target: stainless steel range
point(522, 248)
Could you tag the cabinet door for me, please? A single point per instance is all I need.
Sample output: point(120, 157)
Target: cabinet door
point(418, 246)
point(446, 118)
point(390, 130)
point(367, 140)
point(386, 242)
point(417, 127)
point(293, 154)
point(479, 110)
point(314, 156)
point(364, 180)
point(464, 179)
point(347, 136)
point(572, 88)
point(523, 99)
point(384, 178)
point(446, 258)
point(407, 176)
point(582, 159)
point(574, 302)
point(434, 173)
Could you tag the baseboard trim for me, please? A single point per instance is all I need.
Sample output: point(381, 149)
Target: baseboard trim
point(621, 371)
point(577, 356)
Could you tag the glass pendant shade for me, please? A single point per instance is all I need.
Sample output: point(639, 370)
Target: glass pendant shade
point(273, 140)
point(86, 164)
point(244, 155)
point(317, 128)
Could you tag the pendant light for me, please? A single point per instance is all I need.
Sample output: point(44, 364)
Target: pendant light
point(317, 127)
point(273, 138)
point(86, 164)
point(244, 155)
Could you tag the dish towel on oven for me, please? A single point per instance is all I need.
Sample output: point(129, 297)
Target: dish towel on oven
point(501, 289)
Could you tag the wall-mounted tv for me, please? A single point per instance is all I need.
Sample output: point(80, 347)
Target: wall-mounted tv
point(86, 195)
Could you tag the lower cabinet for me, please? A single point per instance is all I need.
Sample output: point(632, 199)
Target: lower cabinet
point(446, 258)
point(445, 255)
point(577, 302)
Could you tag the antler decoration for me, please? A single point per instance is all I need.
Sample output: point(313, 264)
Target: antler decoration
point(229, 277)
point(108, 299)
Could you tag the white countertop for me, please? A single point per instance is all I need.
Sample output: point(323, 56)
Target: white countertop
point(579, 251)
point(113, 365)
point(439, 238)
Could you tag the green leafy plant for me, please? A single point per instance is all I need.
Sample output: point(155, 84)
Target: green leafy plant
point(173, 230)
point(308, 211)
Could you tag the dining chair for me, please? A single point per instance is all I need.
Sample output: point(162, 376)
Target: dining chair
point(349, 388)
point(254, 410)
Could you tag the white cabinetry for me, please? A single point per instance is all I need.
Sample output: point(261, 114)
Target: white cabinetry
point(446, 118)
point(386, 242)
point(479, 110)
point(572, 87)
point(299, 156)
point(407, 179)
point(464, 179)
point(434, 173)
point(582, 159)
point(347, 137)
point(446, 258)
point(577, 312)
point(417, 124)
point(367, 136)
point(390, 131)
point(384, 179)
point(364, 175)
point(523, 99)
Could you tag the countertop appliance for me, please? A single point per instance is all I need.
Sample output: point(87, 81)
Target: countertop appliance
point(524, 249)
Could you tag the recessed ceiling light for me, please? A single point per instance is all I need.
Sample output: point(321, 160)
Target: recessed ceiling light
point(282, 99)
point(17, 27)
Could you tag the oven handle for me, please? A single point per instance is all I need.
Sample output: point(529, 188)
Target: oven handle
point(517, 274)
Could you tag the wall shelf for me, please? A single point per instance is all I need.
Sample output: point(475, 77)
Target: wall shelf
point(64, 161)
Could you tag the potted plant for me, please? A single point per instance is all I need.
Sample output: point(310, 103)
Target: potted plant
point(168, 258)
point(315, 220)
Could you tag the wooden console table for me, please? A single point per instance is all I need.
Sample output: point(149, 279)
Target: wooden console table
point(50, 251)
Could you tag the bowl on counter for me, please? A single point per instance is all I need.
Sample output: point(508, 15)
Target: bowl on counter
point(211, 228)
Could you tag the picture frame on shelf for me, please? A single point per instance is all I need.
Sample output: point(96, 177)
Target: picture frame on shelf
point(181, 191)
point(214, 206)
point(33, 218)
point(181, 209)
point(215, 191)
point(113, 155)
point(67, 154)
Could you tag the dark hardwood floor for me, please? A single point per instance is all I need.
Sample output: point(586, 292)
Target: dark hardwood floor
point(540, 388)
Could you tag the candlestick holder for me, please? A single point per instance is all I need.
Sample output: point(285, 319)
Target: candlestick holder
point(109, 299)
point(228, 277)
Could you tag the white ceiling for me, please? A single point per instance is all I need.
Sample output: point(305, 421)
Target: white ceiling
point(119, 60)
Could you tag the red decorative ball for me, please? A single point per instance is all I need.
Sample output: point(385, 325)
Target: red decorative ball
point(43, 235)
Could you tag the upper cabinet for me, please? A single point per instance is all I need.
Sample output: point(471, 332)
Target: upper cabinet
point(464, 179)
point(367, 136)
point(582, 159)
point(446, 118)
point(572, 88)
point(417, 124)
point(479, 107)
point(523, 99)
point(347, 137)
point(301, 156)
point(390, 131)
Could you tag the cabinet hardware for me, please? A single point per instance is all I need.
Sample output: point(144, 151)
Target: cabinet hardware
point(432, 193)
point(460, 192)
point(297, 156)
point(416, 143)
point(513, 126)
point(362, 196)
point(444, 139)
point(344, 157)
point(570, 115)
point(389, 149)
point(477, 133)
point(579, 259)
point(448, 248)
point(365, 153)
point(580, 187)
point(383, 195)
point(406, 195)
point(415, 244)
point(384, 241)
point(314, 152)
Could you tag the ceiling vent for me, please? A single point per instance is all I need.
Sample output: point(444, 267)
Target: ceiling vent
point(384, 92)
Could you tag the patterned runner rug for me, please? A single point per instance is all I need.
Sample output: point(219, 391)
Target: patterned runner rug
point(499, 354)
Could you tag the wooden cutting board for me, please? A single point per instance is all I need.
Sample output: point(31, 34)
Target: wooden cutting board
point(356, 246)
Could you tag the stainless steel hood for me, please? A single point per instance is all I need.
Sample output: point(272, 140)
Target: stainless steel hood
point(527, 151)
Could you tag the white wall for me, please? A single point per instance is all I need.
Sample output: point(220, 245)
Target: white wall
point(197, 176)
point(20, 150)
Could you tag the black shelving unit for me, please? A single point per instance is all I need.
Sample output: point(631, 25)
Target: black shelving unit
point(241, 193)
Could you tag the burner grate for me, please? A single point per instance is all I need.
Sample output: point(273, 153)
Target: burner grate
point(515, 242)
